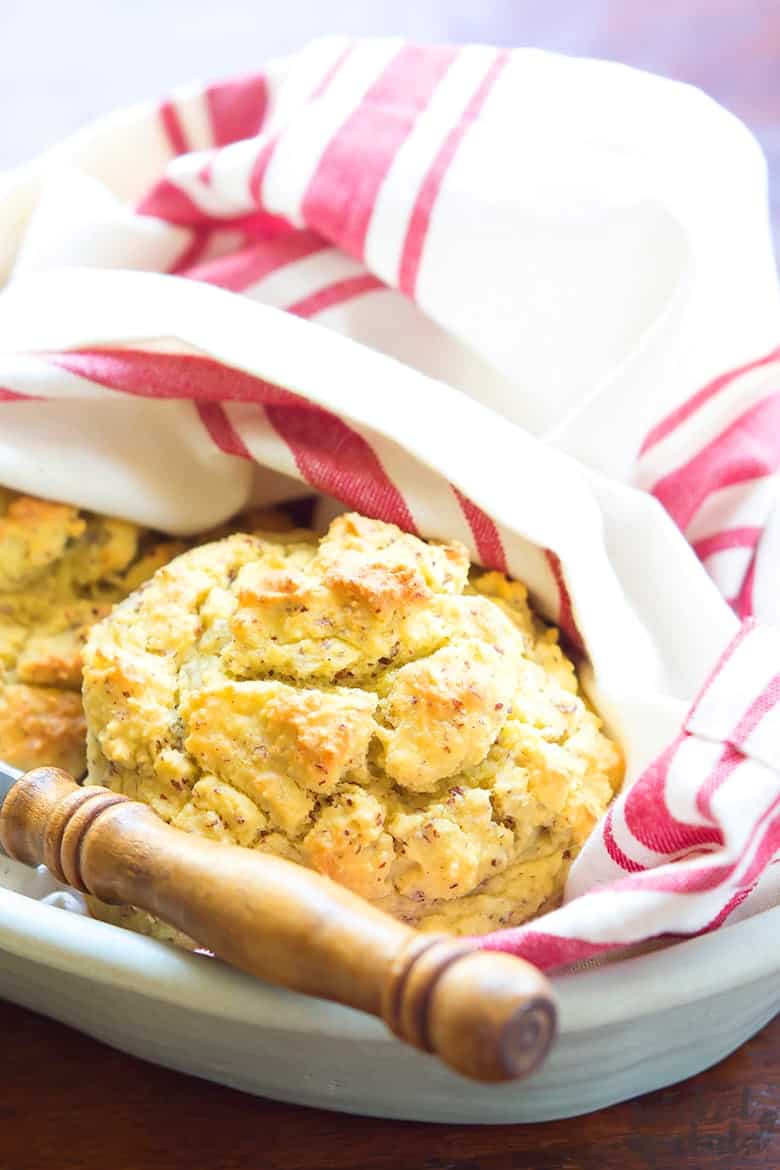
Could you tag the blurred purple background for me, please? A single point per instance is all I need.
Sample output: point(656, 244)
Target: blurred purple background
point(64, 61)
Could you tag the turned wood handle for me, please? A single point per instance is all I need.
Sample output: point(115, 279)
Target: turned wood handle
point(489, 1016)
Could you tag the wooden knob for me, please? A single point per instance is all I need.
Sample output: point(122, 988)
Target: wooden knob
point(489, 1016)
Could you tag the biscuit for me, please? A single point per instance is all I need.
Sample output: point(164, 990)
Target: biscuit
point(366, 704)
point(61, 569)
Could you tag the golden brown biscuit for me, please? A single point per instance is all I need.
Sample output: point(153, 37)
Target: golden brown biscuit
point(61, 570)
point(42, 725)
point(362, 705)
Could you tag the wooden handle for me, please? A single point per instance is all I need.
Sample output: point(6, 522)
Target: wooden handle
point(489, 1016)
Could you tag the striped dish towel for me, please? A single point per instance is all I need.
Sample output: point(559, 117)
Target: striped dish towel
point(513, 238)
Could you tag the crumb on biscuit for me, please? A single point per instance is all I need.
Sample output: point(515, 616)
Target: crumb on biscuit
point(365, 704)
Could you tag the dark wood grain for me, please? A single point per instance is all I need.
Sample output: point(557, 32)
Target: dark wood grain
point(69, 1103)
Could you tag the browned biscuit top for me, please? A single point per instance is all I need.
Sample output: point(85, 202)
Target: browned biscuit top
point(364, 704)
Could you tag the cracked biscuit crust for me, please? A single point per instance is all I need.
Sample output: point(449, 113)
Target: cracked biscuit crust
point(61, 570)
point(366, 705)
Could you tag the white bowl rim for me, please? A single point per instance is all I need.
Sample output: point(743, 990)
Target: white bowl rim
point(689, 970)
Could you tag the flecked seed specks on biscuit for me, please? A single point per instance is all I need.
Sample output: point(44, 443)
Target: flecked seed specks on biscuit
point(61, 570)
point(365, 705)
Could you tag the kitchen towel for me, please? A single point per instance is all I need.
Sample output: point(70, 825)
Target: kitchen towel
point(511, 284)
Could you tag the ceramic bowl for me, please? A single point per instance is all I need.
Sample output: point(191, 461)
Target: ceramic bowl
point(625, 1028)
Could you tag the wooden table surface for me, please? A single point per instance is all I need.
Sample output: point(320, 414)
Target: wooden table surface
point(68, 1103)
